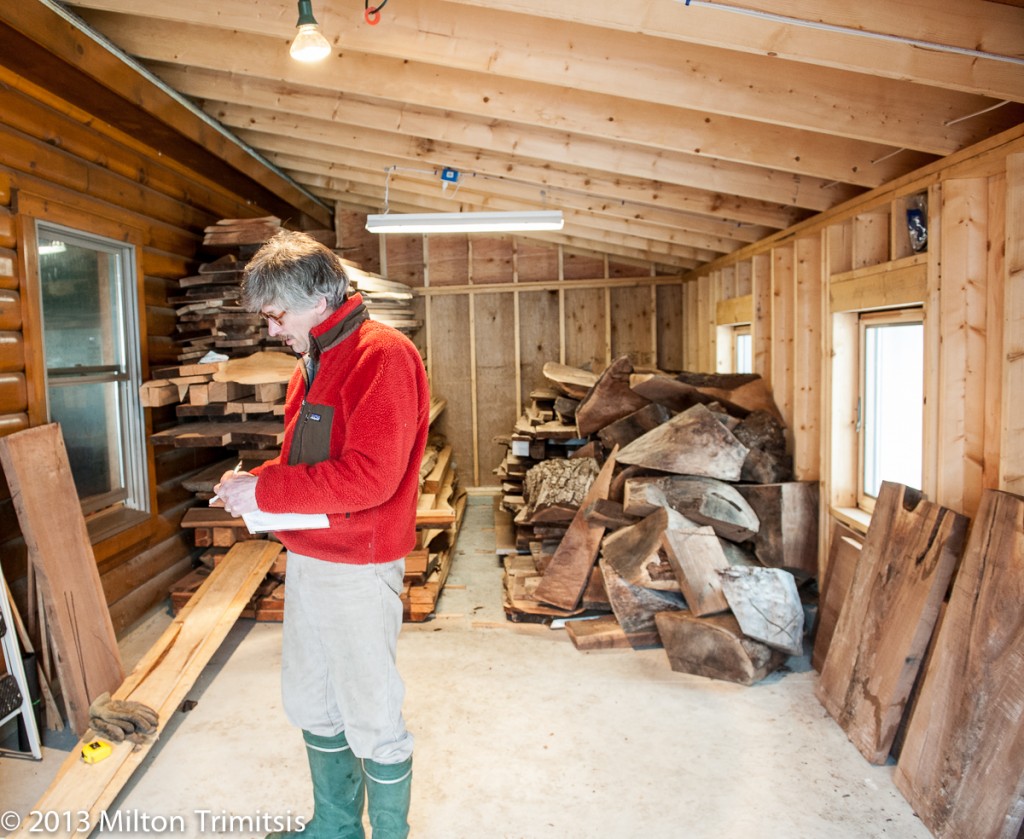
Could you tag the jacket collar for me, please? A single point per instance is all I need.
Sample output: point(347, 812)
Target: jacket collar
point(342, 322)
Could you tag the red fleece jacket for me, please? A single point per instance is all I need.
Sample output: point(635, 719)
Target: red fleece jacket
point(369, 484)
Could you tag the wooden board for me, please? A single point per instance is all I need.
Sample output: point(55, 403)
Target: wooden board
point(908, 557)
point(569, 569)
point(962, 763)
point(696, 556)
point(604, 633)
point(35, 462)
point(844, 554)
point(161, 680)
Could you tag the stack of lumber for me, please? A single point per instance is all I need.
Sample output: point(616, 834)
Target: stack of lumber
point(684, 529)
point(386, 301)
point(239, 232)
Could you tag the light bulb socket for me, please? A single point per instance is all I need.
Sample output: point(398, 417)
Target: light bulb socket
point(306, 13)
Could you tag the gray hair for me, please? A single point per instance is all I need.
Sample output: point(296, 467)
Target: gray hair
point(294, 270)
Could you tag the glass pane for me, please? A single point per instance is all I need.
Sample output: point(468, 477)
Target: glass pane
point(81, 305)
point(744, 353)
point(90, 421)
point(893, 405)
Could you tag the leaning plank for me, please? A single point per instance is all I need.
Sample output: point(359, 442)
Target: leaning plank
point(696, 557)
point(715, 647)
point(691, 443)
point(160, 680)
point(883, 631)
point(844, 554)
point(788, 512)
point(609, 399)
point(569, 570)
point(962, 763)
point(43, 491)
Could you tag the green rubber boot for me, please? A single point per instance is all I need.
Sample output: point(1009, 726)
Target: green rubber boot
point(388, 790)
point(338, 791)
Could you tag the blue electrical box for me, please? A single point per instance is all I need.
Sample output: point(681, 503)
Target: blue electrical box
point(450, 175)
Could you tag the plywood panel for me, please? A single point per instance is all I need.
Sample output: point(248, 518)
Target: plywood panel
point(491, 259)
point(631, 325)
point(670, 327)
point(783, 309)
point(581, 266)
point(536, 261)
point(691, 330)
point(994, 291)
point(403, 260)
point(450, 358)
point(761, 325)
point(1011, 462)
point(539, 335)
point(496, 399)
point(585, 324)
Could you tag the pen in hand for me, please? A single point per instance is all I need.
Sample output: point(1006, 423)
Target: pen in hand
point(235, 471)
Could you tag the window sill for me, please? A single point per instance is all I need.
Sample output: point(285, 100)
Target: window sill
point(108, 523)
point(853, 517)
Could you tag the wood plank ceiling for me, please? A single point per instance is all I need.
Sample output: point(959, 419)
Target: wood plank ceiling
point(666, 131)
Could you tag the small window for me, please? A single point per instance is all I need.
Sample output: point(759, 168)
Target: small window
point(93, 368)
point(890, 418)
point(743, 350)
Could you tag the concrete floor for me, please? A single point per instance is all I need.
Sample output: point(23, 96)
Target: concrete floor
point(518, 736)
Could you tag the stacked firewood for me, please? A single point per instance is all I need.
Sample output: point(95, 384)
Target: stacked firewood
point(679, 521)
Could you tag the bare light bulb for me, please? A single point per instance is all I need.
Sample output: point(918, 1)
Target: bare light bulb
point(309, 44)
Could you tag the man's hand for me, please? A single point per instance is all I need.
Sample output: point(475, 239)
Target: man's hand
point(237, 493)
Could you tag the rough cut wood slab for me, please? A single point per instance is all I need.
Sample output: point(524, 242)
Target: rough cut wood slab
point(788, 536)
point(691, 443)
point(767, 605)
point(908, 557)
point(703, 500)
point(569, 570)
point(843, 556)
point(43, 491)
point(629, 550)
point(696, 557)
point(635, 606)
point(715, 647)
point(962, 763)
point(160, 680)
point(604, 633)
point(609, 399)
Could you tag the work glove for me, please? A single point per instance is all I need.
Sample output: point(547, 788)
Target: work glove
point(120, 719)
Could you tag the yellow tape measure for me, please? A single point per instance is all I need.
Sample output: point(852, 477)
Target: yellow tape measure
point(96, 751)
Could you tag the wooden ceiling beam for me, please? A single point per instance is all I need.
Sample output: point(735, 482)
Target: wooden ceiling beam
point(675, 130)
point(423, 52)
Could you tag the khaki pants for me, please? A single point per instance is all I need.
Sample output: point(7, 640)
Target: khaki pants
point(338, 672)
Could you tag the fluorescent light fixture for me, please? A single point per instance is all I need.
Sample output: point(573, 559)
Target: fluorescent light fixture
point(465, 222)
point(309, 43)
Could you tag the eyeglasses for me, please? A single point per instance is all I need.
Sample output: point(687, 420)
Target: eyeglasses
point(275, 318)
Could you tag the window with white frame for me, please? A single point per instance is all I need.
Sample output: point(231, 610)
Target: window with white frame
point(742, 349)
point(90, 307)
point(890, 415)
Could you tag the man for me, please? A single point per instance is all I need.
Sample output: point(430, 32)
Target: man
point(356, 420)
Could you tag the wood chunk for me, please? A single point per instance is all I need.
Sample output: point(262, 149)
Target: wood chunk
point(962, 763)
point(571, 380)
point(691, 443)
point(595, 596)
point(844, 554)
point(767, 605)
point(624, 431)
point(702, 500)
point(715, 647)
point(35, 462)
point(788, 537)
point(905, 566)
point(630, 549)
point(558, 482)
point(604, 633)
point(609, 399)
point(569, 570)
point(696, 556)
point(635, 606)
point(609, 513)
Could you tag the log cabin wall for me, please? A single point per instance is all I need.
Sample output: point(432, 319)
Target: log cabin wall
point(61, 164)
point(495, 309)
point(801, 292)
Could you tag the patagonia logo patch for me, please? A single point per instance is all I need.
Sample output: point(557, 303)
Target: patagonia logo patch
point(315, 417)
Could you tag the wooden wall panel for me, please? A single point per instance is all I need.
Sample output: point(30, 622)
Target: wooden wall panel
point(447, 259)
point(994, 293)
point(538, 337)
point(1011, 461)
point(632, 315)
point(585, 325)
point(403, 259)
point(783, 308)
point(450, 356)
point(807, 358)
point(670, 327)
point(582, 266)
point(536, 261)
point(496, 408)
point(10, 310)
point(491, 259)
point(761, 327)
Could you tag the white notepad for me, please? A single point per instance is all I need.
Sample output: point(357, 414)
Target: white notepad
point(261, 522)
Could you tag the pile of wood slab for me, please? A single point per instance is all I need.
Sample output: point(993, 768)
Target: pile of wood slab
point(666, 502)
